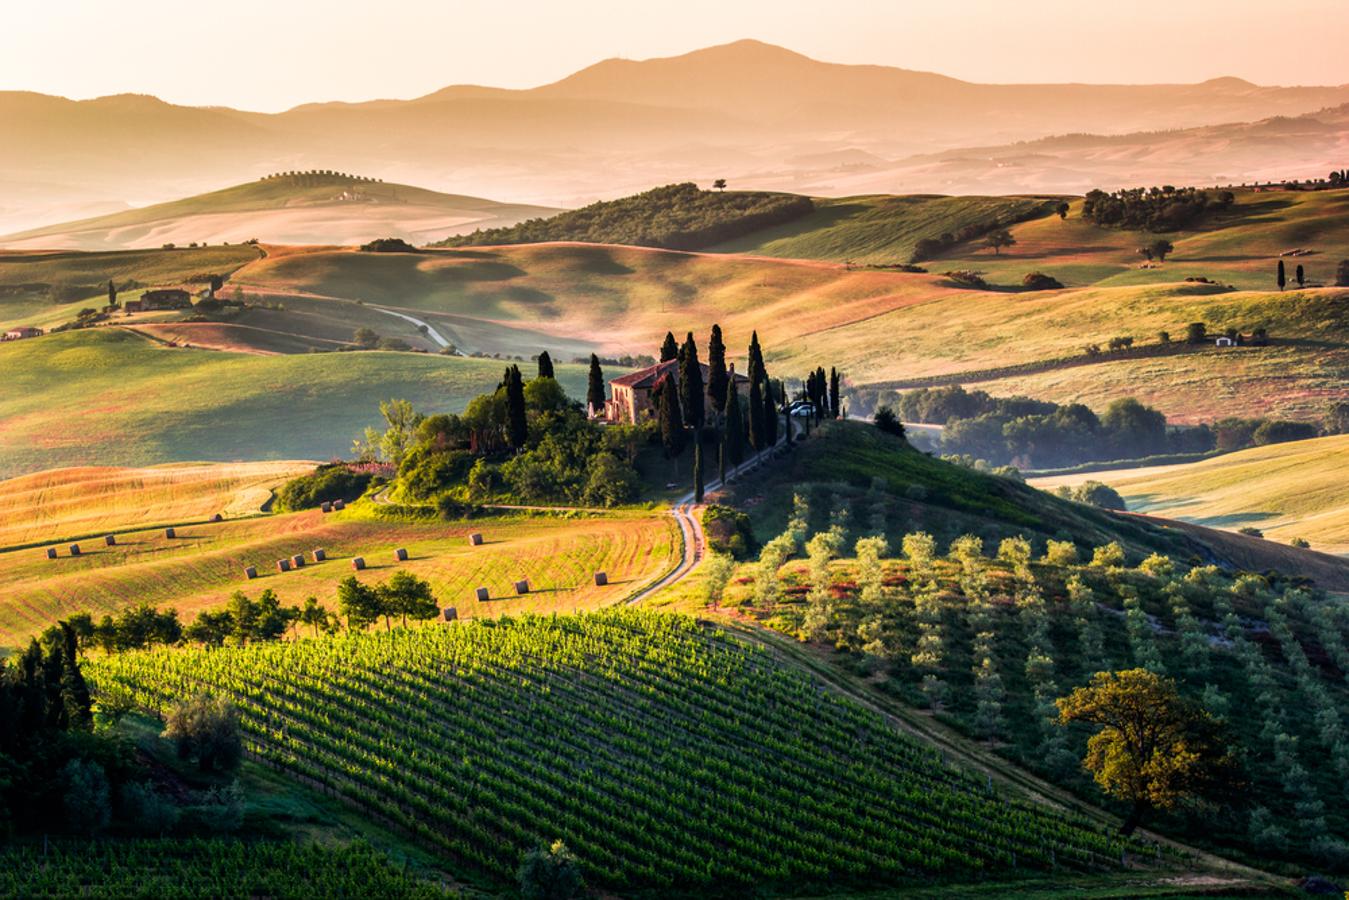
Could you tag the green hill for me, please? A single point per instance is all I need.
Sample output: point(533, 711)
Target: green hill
point(674, 217)
point(667, 755)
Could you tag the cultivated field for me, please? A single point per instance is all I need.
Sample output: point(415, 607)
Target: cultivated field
point(61, 504)
point(1287, 491)
point(204, 564)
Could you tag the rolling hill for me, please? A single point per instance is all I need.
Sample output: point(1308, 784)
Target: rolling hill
point(1293, 490)
point(284, 209)
point(762, 116)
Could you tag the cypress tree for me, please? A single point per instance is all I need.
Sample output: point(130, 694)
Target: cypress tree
point(74, 691)
point(834, 405)
point(546, 365)
point(1281, 277)
point(756, 358)
point(517, 425)
point(822, 394)
point(717, 376)
point(672, 434)
point(735, 427)
point(756, 423)
point(595, 387)
point(691, 383)
point(770, 414)
point(721, 460)
point(1300, 275)
point(112, 293)
point(697, 469)
point(669, 350)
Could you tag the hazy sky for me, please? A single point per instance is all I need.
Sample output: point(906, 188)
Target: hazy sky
point(273, 54)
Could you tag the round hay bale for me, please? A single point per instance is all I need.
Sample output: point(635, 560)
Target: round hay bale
point(482, 595)
point(358, 563)
point(400, 554)
point(601, 579)
point(110, 540)
point(170, 533)
point(320, 555)
point(449, 613)
point(283, 565)
point(297, 560)
point(522, 586)
point(74, 549)
point(51, 553)
point(475, 539)
point(250, 572)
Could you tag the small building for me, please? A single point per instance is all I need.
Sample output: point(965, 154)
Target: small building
point(1225, 341)
point(23, 331)
point(630, 397)
point(160, 299)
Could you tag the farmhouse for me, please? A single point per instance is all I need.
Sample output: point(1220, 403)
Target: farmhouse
point(23, 331)
point(161, 298)
point(630, 395)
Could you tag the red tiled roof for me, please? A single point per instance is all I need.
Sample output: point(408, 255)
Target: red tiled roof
point(647, 378)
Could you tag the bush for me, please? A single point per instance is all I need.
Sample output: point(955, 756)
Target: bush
point(728, 531)
point(1109, 555)
point(206, 729)
point(550, 873)
point(87, 807)
point(610, 481)
point(149, 811)
point(389, 245)
point(1278, 432)
point(1061, 553)
point(1099, 494)
point(1251, 531)
point(1300, 543)
point(888, 422)
point(967, 278)
point(333, 481)
point(1039, 281)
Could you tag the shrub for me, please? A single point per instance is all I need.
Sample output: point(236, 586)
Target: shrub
point(967, 278)
point(389, 245)
point(728, 531)
point(550, 873)
point(206, 729)
point(888, 422)
point(1039, 281)
point(1109, 555)
point(149, 811)
point(1096, 493)
point(611, 482)
point(86, 801)
point(1278, 432)
point(1061, 553)
point(1300, 543)
point(1250, 531)
point(333, 481)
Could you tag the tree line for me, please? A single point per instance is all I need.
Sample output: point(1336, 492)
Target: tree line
point(1165, 208)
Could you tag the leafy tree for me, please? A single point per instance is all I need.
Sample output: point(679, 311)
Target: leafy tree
point(1196, 333)
point(691, 393)
point(1155, 749)
point(1280, 276)
point(717, 375)
point(358, 602)
point(669, 349)
point(86, 800)
point(1134, 429)
point(595, 395)
point(206, 729)
point(1062, 209)
point(1160, 248)
point(392, 444)
point(999, 239)
point(517, 424)
point(719, 184)
point(670, 417)
point(211, 628)
point(546, 365)
point(1098, 494)
point(610, 481)
point(365, 338)
point(313, 615)
point(406, 595)
point(550, 873)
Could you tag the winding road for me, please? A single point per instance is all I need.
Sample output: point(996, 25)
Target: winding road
point(425, 326)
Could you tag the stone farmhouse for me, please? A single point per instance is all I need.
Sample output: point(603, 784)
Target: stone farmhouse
point(630, 395)
point(23, 331)
point(161, 298)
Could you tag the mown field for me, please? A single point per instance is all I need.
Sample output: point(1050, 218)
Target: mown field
point(666, 755)
point(110, 397)
point(1293, 490)
point(204, 563)
point(65, 503)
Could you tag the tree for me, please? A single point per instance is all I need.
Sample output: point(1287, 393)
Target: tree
point(595, 387)
point(313, 615)
point(358, 602)
point(999, 239)
point(1196, 333)
point(86, 800)
point(1136, 430)
point(756, 406)
point(888, 422)
point(670, 417)
point(733, 438)
point(669, 349)
point(835, 406)
point(550, 873)
point(206, 728)
point(517, 423)
point(1280, 276)
point(546, 365)
point(1342, 274)
point(112, 293)
point(1300, 276)
point(717, 375)
point(365, 338)
point(1062, 209)
point(697, 468)
point(691, 393)
point(1160, 248)
point(211, 627)
point(770, 415)
point(406, 595)
point(719, 184)
point(1155, 748)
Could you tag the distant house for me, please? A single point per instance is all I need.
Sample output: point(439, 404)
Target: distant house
point(1225, 341)
point(630, 395)
point(23, 331)
point(160, 299)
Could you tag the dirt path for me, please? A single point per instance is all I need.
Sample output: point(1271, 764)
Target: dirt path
point(424, 326)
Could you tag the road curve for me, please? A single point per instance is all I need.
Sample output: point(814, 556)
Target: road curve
point(430, 332)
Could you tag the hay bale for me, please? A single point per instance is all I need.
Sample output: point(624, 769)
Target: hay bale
point(358, 563)
point(250, 572)
point(51, 553)
point(74, 549)
point(320, 555)
point(475, 540)
point(326, 506)
point(110, 540)
point(601, 579)
point(283, 565)
point(297, 561)
point(170, 533)
point(522, 586)
point(401, 555)
point(217, 518)
point(482, 595)
point(339, 504)
point(449, 613)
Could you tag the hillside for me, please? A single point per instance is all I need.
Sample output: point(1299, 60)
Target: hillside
point(1293, 490)
point(284, 209)
point(548, 743)
point(674, 217)
point(108, 396)
point(761, 116)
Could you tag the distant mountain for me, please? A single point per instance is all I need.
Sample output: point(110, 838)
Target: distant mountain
point(286, 209)
point(759, 115)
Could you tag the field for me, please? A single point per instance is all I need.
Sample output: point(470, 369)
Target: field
point(204, 563)
point(110, 397)
point(1293, 490)
point(667, 755)
point(62, 504)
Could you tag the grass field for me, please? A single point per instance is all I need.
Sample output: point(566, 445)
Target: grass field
point(205, 563)
point(61, 504)
point(1288, 490)
point(110, 397)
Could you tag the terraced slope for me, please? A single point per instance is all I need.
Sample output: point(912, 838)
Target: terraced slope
point(666, 755)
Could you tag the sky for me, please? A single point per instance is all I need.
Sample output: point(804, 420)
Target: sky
point(269, 55)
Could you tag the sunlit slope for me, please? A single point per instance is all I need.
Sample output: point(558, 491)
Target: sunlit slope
point(1292, 490)
point(110, 397)
point(283, 210)
point(64, 503)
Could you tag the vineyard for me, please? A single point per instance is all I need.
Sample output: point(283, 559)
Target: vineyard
point(665, 754)
point(989, 643)
point(202, 869)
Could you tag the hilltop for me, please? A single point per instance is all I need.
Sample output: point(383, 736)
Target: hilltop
point(286, 208)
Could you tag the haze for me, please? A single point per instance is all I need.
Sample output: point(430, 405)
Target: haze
point(269, 56)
